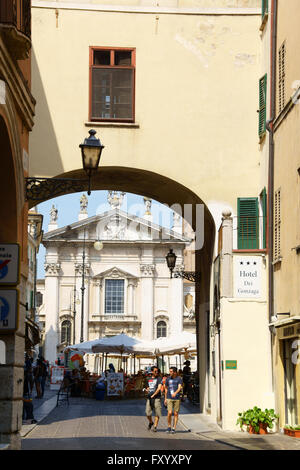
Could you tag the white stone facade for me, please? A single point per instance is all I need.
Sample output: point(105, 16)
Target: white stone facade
point(133, 253)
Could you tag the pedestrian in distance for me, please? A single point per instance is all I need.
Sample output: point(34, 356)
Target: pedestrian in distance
point(153, 403)
point(186, 376)
point(173, 387)
point(38, 378)
point(44, 374)
point(27, 399)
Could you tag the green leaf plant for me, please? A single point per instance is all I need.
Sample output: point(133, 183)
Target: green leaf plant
point(254, 416)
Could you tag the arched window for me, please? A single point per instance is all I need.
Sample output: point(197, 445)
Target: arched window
point(66, 332)
point(161, 329)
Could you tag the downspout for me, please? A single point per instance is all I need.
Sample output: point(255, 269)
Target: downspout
point(270, 128)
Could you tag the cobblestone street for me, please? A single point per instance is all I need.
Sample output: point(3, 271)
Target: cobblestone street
point(109, 425)
point(87, 424)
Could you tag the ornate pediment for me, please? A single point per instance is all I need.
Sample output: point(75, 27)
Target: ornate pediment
point(115, 273)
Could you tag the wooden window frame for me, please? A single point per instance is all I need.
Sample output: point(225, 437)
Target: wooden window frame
point(277, 225)
point(281, 76)
point(262, 111)
point(112, 66)
point(243, 235)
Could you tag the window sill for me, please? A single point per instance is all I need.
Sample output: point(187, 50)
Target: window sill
point(249, 250)
point(129, 125)
point(277, 261)
point(264, 21)
point(262, 137)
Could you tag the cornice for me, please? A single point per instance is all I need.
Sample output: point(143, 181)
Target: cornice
point(147, 9)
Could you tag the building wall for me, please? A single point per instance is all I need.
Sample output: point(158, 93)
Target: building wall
point(206, 112)
point(287, 180)
point(16, 121)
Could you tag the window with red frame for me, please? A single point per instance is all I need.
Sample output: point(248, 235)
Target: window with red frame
point(112, 79)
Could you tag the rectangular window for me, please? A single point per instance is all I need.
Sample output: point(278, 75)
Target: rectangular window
point(248, 223)
point(281, 77)
point(277, 221)
point(114, 296)
point(262, 106)
point(112, 84)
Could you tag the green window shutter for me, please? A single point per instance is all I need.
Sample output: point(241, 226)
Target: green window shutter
point(262, 105)
point(264, 207)
point(248, 223)
point(264, 7)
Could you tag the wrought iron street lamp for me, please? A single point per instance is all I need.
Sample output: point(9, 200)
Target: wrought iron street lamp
point(193, 276)
point(41, 189)
point(91, 151)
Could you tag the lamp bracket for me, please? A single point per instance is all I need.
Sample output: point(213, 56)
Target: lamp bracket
point(192, 276)
point(41, 189)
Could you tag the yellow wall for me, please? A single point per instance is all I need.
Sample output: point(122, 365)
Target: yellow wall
point(287, 162)
point(196, 97)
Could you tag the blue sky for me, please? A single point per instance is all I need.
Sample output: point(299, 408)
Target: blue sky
point(68, 208)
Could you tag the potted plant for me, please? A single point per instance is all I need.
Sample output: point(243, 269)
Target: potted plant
point(256, 420)
point(292, 431)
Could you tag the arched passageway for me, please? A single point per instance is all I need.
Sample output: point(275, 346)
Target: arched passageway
point(181, 199)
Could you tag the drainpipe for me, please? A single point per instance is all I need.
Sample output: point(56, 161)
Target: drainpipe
point(270, 128)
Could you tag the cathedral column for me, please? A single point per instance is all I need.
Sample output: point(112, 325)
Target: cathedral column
point(131, 286)
point(147, 301)
point(52, 316)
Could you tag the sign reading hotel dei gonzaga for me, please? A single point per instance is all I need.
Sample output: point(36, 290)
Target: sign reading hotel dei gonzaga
point(247, 277)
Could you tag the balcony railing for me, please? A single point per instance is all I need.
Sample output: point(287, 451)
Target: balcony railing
point(15, 22)
point(117, 318)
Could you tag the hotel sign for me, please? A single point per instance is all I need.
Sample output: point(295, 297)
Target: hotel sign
point(248, 277)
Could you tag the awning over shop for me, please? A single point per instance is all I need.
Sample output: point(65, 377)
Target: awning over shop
point(32, 334)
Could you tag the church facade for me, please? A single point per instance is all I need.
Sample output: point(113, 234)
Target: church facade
point(123, 287)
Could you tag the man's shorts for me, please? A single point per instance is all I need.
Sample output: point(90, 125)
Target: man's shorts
point(157, 408)
point(173, 405)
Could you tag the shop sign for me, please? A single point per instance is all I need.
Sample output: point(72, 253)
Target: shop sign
point(288, 331)
point(247, 277)
point(57, 376)
point(9, 310)
point(9, 263)
point(115, 384)
point(231, 365)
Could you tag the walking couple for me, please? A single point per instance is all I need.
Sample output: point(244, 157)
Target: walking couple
point(171, 391)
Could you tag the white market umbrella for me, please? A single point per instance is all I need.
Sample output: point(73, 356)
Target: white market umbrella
point(175, 343)
point(123, 344)
point(85, 347)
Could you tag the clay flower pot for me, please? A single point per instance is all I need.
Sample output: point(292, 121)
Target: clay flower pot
point(292, 432)
point(263, 428)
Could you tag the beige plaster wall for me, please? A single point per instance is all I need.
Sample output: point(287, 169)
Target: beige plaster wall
point(196, 94)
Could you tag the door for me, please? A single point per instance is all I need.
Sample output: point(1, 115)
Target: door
point(290, 384)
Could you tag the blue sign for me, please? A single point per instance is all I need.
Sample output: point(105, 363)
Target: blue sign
point(4, 310)
point(9, 310)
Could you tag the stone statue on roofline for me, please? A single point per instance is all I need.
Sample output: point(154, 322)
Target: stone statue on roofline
point(115, 199)
point(53, 214)
point(83, 204)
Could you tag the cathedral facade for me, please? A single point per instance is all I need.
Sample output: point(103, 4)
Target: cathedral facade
point(107, 274)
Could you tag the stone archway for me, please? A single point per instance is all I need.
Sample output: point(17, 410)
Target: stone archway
point(172, 193)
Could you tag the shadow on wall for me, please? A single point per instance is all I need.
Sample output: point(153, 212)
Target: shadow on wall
point(50, 345)
point(43, 132)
